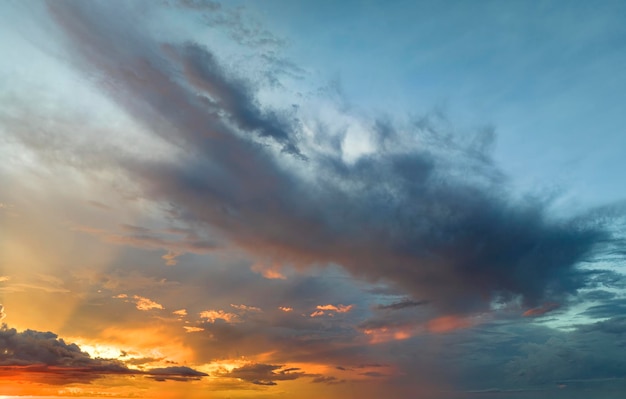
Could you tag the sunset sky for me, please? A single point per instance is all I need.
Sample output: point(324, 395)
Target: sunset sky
point(322, 199)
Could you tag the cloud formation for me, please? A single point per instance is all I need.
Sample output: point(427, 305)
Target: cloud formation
point(428, 212)
point(264, 374)
point(44, 352)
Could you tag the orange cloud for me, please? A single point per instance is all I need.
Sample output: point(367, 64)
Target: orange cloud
point(338, 308)
point(213, 315)
point(285, 308)
point(386, 334)
point(541, 310)
point(446, 324)
point(192, 329)
point(246, 308)
point(271, 272)
point(170, 258)
point(141, 303)
point(146, 304)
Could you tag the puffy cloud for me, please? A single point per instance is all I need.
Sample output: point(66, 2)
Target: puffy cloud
point(213, 315)
point(44, 352)
point(143, 303)
point(338, 308)
point(322, 309)
point(45, 348)
point(403, 304)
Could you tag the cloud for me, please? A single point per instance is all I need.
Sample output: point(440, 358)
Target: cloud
point(271, 272)
point(32, 351)
point(246, 308)
point(213, 315)
point(428, 212)
point(141, 303)
point(175, 373)
point(171, 258)
point(185, 240)
point(190, 329)
point(3, 314)
point(325, 309)
point(45, 348)
point(338, 308)
point(446, 324)
point(541, 310)
point(403, 304)
point(264, 374)
point(327, 380)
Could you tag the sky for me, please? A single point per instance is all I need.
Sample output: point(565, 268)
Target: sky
point(281, 199)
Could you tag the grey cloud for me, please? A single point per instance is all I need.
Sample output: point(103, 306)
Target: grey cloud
point(615, 325)
point(438, 221)
point(403, 304)
point(264, 374)
point(607, 308)
point(34, 347)
point(598, 295)
point(327, 380)
point(199, 4)
point(375, 374)
point(45, 352)
point(175, 373)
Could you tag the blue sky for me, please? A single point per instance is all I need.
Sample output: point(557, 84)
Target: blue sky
point(259, 199)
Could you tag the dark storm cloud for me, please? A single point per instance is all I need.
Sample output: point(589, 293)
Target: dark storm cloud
point(438, 220)
point(44, 352)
